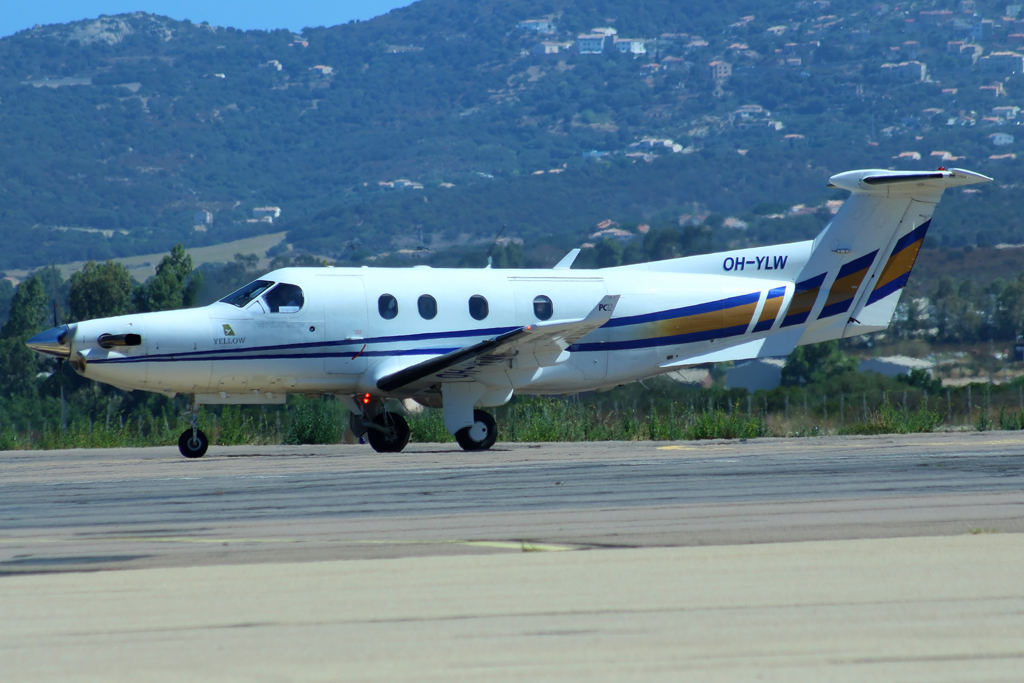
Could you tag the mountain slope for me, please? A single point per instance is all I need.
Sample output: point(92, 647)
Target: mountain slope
point(117, 130)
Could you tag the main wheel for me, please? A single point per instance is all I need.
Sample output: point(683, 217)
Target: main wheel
point(490, 429)
point(193, 446)
point(395, 434)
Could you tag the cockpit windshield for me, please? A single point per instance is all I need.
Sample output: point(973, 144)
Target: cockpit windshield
point(245, 295)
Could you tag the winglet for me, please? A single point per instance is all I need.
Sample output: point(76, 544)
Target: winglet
point(567, 260)
point(603, 310)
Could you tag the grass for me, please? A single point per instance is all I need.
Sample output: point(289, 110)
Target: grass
point(560, 420)
point(532, 419)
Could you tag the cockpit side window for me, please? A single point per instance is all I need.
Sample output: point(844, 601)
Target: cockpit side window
point(244, 296)
point(284, 298)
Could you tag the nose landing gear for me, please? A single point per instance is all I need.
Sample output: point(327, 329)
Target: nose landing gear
point(193, 443)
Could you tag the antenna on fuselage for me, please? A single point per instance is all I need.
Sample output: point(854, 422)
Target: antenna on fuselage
point(490, 252)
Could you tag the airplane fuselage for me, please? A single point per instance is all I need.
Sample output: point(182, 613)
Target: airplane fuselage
point(339, 340)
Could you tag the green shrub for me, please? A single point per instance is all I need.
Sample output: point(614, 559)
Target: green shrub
point(890, 420)
point(235, 428)
point(427, 426)
point(314, 421)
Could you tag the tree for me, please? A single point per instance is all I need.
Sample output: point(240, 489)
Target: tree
point(1010, 312)
point(816, 363)
point(100, 290)
point(609, 253)
point(30, 314)
point(175, 284)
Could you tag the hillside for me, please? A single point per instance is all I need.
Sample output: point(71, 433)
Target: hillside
point(116, 132)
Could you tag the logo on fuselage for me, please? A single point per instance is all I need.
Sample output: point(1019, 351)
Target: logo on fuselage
point(229, 336)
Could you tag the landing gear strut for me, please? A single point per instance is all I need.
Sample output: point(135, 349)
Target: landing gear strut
point(193, 443)
point(387, 432)
point(481, 435)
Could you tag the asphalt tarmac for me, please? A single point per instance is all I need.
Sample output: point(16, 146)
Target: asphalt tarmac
point(838, 558)
point(120, 509)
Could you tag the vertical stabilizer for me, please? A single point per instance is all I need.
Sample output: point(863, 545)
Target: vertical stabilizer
point(861, 261)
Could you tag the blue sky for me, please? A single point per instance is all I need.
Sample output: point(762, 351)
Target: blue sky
point(248, 14)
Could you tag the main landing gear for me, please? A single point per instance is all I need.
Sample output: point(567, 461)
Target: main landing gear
point(481, 435)
point(388, 433)
point(193, 443)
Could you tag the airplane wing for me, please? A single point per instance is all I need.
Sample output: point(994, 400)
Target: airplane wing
point(536, 345)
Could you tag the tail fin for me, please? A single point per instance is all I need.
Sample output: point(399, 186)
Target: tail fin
point(863, 257)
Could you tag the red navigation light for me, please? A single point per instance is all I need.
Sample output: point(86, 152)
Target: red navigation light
point(942, 168)
point(366, 399)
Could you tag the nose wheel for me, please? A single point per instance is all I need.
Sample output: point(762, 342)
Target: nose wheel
point(481, 435)
point(192, 443)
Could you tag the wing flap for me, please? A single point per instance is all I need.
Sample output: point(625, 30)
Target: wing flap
point(537, 345)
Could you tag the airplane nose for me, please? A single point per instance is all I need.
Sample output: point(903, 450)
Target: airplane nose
point(55, 342)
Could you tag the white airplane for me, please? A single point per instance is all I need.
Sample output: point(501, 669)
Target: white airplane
point(463, 340)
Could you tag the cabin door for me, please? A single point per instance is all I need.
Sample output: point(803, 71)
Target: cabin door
point(344, 324)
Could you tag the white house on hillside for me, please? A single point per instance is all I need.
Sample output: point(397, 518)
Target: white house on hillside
point(538, 25)
point(630, 46)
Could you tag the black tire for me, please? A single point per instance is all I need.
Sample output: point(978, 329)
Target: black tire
point(467, 442)
point(395, 436)
point(193, 448)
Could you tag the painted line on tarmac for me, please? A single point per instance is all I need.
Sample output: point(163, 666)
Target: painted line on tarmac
point(523, 545)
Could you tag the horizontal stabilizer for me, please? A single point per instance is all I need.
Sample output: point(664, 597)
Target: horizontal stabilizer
point(776, 345)
point(534, 345)
point(905, 182)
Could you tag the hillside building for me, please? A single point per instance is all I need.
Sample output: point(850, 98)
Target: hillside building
point(1001, 64)
point(590, 43)
point(630, 46)
point(266, 214)
point(935, 17)
point(550, 47)
point(202, 217)
point(913, 72)
point(891, 366)
point(756, 375)
point(537, 25)
point(982, 30)
point(1001, 139)
point(720, 70)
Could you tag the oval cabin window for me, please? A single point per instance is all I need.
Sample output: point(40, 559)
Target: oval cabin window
point(543, 308)
point(387, 306)
point(428, 307)
point(478, 307)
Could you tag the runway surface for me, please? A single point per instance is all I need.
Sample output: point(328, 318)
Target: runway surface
point(892, 558)
point(100, 509)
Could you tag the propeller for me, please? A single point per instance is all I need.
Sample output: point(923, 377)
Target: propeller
point(60, 359)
